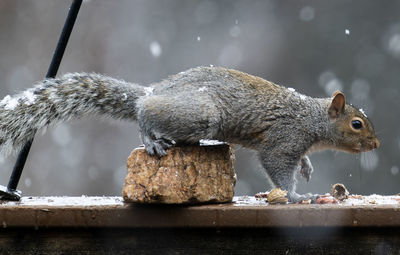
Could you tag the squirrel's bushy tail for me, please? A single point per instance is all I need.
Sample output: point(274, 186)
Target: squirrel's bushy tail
point(73, 95)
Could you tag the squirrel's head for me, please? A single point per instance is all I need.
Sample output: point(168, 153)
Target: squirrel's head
point(354, 133)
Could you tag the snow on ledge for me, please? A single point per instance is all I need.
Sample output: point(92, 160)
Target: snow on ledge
point(353, 200)
point(116, 201)
point(65, 201)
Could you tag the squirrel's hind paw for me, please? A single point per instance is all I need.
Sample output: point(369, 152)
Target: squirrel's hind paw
point(157, 147)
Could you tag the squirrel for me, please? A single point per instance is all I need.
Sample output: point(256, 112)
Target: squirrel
point(213, 103)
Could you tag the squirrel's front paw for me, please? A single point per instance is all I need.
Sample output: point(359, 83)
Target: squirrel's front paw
point(297, 198)
point(157, 147)
point(306, 168)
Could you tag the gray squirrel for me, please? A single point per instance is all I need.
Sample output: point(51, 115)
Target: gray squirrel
point(214, 103)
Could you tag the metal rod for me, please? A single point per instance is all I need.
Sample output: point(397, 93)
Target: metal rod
point(51, 73)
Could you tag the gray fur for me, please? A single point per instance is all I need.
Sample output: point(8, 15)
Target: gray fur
point(201, 103)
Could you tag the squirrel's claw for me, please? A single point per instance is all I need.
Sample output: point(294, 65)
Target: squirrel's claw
point(305, 173)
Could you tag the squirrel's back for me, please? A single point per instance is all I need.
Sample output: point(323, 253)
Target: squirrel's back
point(216, 79)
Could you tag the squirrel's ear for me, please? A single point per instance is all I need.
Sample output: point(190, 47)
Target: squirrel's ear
point(337, 106)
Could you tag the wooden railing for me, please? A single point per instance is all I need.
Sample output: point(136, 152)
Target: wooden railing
point(108, 225)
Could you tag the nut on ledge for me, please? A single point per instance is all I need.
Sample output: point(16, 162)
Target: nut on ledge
point(277, 196)
point(186, 175)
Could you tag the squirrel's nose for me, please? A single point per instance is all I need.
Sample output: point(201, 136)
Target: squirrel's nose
point(376, 143)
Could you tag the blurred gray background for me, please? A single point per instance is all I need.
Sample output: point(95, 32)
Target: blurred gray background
point(315, 47)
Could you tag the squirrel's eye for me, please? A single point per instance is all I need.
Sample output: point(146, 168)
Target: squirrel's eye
point(356, 124)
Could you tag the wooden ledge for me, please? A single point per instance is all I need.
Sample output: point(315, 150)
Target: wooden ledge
point(41, 212)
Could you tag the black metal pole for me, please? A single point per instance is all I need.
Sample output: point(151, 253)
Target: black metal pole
point(51, 73)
